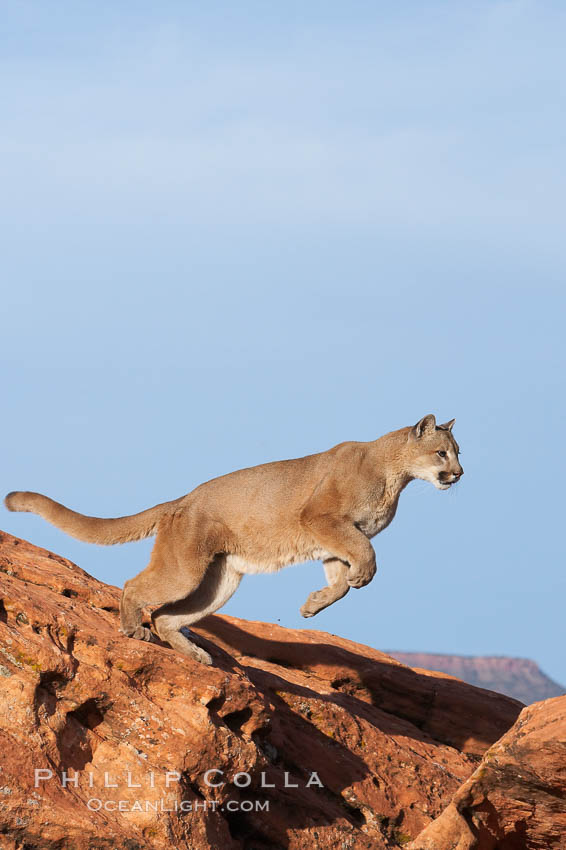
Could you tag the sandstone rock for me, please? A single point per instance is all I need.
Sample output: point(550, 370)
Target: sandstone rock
point(519, 678)
point(101, 714)
point(516, 799)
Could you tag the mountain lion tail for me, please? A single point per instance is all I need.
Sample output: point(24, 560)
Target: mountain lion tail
point(89, 528)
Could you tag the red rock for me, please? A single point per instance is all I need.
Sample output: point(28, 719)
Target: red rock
point(516, 799)
point(389, 745)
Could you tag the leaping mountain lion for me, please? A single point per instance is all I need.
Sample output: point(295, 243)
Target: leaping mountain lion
point(325, 506)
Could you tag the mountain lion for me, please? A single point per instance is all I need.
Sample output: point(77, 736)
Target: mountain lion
point(323, 506)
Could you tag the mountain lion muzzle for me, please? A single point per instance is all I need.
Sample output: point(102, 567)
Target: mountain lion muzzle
point(324, 507)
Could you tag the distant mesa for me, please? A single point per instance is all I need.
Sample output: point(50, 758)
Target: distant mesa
point(519, 678)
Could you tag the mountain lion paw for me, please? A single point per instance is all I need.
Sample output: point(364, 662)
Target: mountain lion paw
point(143, 633)
point(202, 656)
point(315, 602)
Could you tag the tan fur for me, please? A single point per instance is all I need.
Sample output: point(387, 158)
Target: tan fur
point(324, 506)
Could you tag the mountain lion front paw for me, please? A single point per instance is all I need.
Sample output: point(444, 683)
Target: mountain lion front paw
point(315, 603)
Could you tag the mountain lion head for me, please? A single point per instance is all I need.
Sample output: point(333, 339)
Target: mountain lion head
point(433, 453)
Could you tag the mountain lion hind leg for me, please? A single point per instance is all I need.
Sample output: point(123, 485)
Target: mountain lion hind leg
point(179, 562)
point(337, 577)
point(215, 590)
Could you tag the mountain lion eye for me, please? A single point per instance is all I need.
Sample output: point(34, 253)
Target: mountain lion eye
point(441, 454)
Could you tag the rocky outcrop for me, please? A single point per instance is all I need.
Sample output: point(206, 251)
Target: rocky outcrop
point(519, 678)
point(293, 739)
point(516, 799)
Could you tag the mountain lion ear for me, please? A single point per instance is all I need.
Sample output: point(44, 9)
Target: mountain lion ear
point(427, 423)
point(447, 425)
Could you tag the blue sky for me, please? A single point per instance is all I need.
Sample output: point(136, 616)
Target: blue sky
point(234, 234)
